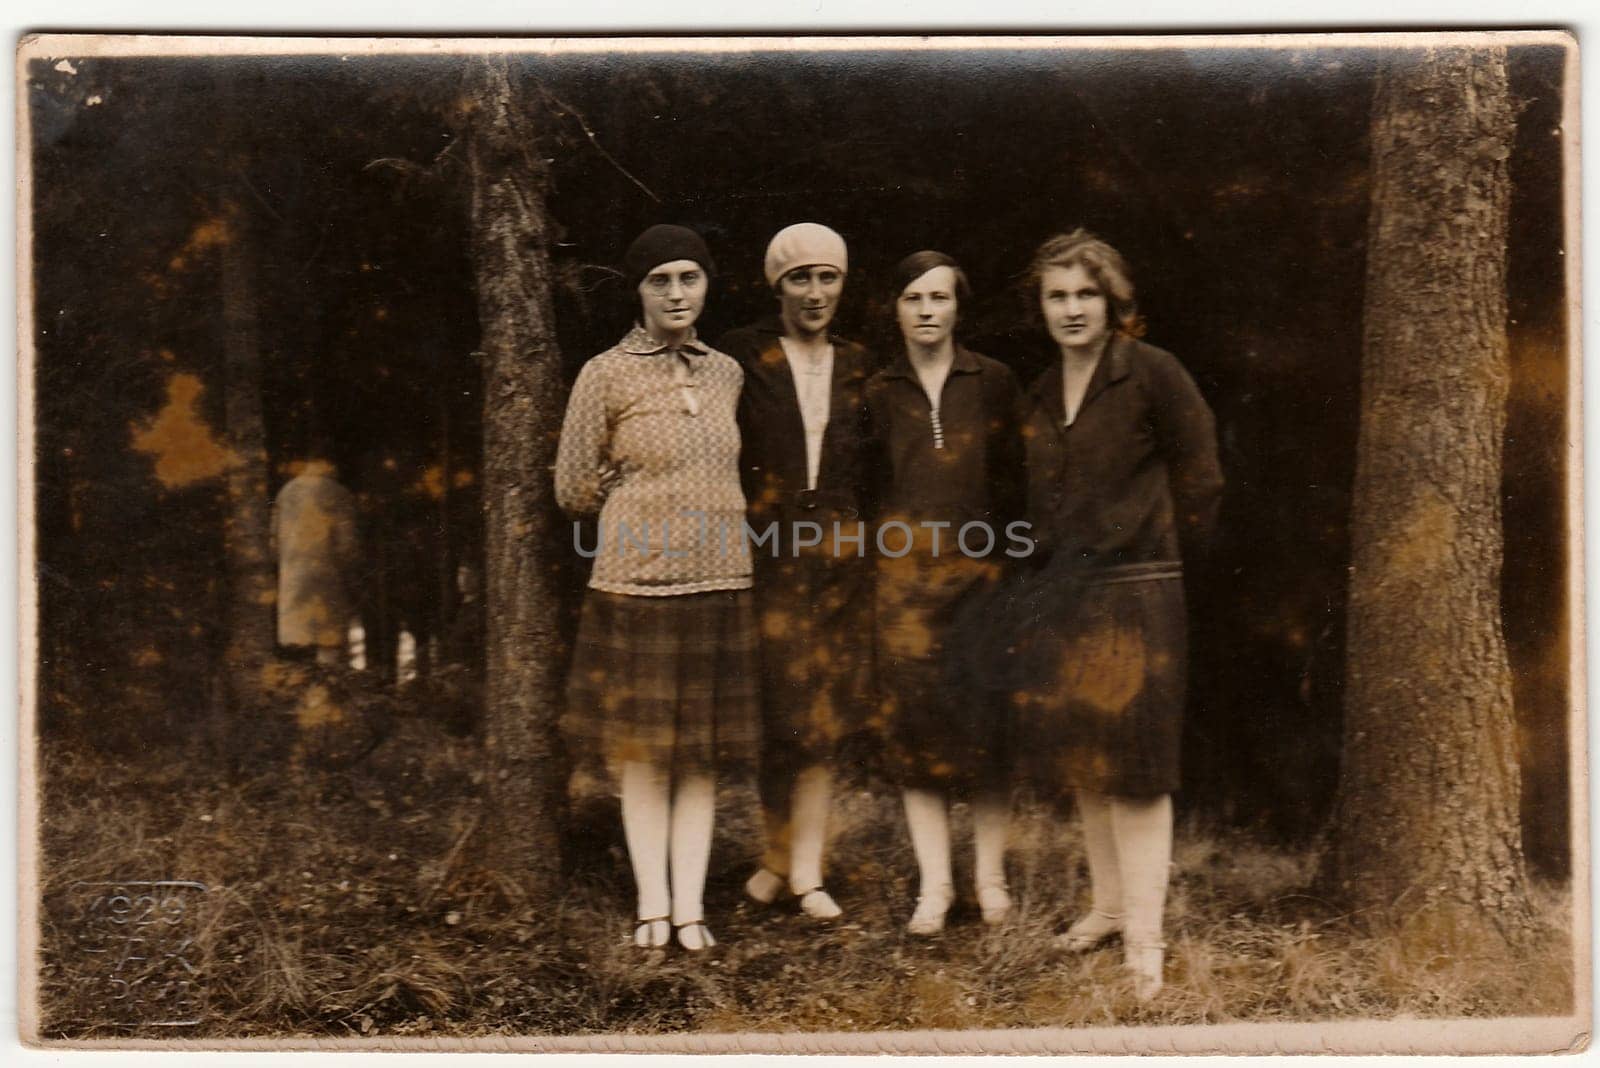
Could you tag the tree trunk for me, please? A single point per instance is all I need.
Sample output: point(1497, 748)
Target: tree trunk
point(246, 540)
point(523, 397)
point(1428, 808)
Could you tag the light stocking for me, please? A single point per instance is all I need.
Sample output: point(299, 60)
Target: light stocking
point(1142, 829)
point(813, 790)
point(693, 810)
point(646, 807)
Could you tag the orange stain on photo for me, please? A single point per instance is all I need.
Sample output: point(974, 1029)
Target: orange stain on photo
point(1105, 669)
point(182, 443)
point(207, 235)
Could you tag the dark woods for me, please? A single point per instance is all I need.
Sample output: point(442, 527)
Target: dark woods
point(326, 202)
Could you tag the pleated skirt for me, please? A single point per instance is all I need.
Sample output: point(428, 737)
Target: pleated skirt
point(1107, 713)
point(671, 681)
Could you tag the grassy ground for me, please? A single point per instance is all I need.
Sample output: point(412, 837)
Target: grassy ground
point(344, 904)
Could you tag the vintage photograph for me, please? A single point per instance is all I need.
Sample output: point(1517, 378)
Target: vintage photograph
point(834, 544)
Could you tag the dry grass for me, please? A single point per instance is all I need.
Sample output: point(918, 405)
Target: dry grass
point(341, 905)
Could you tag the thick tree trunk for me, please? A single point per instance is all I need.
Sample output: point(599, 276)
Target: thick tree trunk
point(246, 537)
point(1428, 812)
point(523, 397)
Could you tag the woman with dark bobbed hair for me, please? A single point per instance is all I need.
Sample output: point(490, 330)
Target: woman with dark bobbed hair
point(1122, 478)
point(663, 681)
point(948, 457)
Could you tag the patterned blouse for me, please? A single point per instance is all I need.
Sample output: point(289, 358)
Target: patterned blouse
point(650, 442)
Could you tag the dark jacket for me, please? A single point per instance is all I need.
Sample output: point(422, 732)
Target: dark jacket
point(967, 480)
point(772, 457)
point(1135, 478)
point(815, 608)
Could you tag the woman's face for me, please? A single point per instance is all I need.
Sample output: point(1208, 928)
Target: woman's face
point(807, 298)
point(1075, 309)
point(927, 308)
point(672, 296)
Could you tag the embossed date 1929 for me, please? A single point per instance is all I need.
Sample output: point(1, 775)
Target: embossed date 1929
point(141, 935)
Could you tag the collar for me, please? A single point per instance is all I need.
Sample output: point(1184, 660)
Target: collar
point(1114, 362)
point(640, 342)
point(772, 326)
point(966, 362)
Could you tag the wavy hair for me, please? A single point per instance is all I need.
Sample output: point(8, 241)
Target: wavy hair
point(1105, 265)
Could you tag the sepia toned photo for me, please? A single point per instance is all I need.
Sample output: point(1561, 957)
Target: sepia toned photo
point(838, 544)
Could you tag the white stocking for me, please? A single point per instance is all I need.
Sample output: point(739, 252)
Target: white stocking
point(991, 812)
point(1142, 828)
point(693, 809)
point(1105, 873)
point(813, 789)
point(928, 819)
point(646, 805)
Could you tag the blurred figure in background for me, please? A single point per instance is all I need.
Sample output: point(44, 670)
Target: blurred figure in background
point(315, 542)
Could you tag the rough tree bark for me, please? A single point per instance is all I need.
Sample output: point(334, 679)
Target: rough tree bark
point(1427, 820)
point(523, 396)
point(246, 528)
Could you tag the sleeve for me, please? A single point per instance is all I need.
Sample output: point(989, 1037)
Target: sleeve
point(583, 456)
point(1187, 433)
point(749, 424)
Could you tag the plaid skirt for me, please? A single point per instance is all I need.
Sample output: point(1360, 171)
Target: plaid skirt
point(670, 681)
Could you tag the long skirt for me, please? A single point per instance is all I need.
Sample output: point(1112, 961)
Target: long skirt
point(1106, 714)
point(937, 735)
point(670, 681)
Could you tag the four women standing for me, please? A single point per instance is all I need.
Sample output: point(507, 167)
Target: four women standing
point(1118, 475)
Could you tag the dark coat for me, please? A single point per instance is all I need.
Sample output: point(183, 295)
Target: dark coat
point(1115, 498)
point(937, 736)
point(814, 609)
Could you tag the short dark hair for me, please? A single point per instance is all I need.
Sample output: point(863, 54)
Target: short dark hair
point(918, 264)
point(1105, 265)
